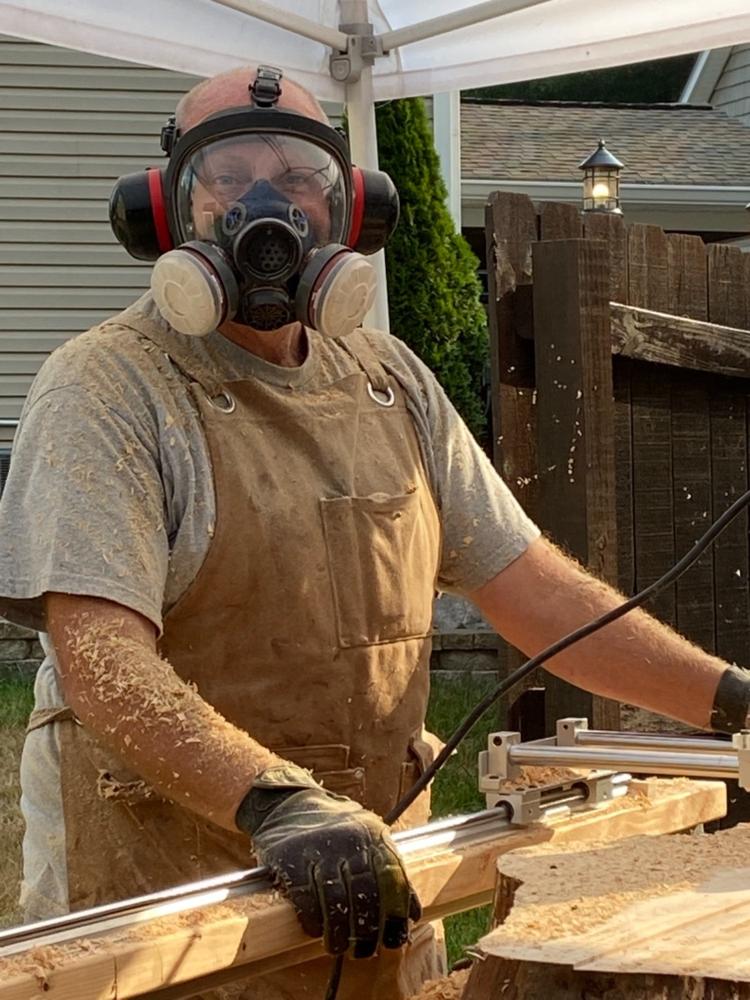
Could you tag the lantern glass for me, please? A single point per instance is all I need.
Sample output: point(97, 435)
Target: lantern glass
point(601, 189)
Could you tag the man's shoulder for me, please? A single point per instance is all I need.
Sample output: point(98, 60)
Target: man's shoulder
point(112, 357)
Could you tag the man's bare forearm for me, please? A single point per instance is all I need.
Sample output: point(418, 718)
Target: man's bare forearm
point(133, 700)
point(543, 595)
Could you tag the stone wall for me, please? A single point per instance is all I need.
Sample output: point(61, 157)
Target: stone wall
point(465, 651)
point(453, 652)
point(20, 651)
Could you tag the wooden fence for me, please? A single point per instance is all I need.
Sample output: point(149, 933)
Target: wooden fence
point(620, 367)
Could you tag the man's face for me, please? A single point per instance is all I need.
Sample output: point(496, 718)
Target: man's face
point(224, 171)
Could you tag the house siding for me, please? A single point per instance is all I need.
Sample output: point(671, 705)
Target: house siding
point(732, 92)
point(70, 124)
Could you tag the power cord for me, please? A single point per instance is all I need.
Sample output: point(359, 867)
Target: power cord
point(557, 647)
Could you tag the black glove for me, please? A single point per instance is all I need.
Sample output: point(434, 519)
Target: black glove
point(731, 708)
point(334, 860)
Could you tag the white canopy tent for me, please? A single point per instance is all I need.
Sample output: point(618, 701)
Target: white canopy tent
point(361, 51)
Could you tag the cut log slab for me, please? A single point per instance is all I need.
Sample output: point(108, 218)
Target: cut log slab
point(659, 918)
point(208, 947)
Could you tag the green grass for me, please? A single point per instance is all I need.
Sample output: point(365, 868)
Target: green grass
point(16, 702)
point(454, 791)
point(16, 699)
point(455, 788)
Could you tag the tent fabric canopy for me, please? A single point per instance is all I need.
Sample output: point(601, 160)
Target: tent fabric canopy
point(558, 36)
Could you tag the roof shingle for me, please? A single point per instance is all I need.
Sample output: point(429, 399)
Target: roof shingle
point(660, 144)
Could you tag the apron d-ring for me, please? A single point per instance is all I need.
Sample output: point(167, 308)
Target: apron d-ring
point(223, 401)
point(386, 398)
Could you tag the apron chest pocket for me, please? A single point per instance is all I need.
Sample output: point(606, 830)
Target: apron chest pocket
point(382, 560)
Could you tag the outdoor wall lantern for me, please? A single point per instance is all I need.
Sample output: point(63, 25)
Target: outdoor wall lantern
point(601, 181)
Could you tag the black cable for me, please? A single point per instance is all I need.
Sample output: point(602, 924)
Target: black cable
point(557, 647)
point(333, 982)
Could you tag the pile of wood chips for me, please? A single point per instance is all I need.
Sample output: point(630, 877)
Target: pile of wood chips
point(448, 988)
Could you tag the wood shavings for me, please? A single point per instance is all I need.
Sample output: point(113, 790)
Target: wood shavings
point(110, 787)
point(538, 777)
point(448, 988)
point(570, 889)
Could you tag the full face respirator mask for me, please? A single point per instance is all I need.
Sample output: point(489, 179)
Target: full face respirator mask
point(259, 218)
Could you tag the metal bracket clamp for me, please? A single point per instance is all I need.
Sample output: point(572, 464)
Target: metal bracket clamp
point(531, 804)
point(567, 729)
point(741, 743)
point(494, 762)
point(495, 766)
point(361, 51)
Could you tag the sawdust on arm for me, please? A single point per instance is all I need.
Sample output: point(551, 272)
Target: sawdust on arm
point(133, 700)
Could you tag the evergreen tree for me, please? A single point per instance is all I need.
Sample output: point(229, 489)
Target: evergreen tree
point(433, 287)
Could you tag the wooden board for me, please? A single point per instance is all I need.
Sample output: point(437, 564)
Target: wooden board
point(623, 432)
point(729, 477)
point(674, 907)
point(258, 934)
point(653, 513)
point(649, 335)
point(692, 501)
point(611, 230)
point(575, 416)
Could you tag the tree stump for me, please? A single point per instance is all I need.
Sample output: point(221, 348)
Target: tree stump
point(644, 919)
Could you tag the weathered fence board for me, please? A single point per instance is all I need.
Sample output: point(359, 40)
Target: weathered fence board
point(623, 435)
point(653, 510)
point(729, 475)
point(682, 343)
point(575, 413)
point(612, 231)
point(692, 504)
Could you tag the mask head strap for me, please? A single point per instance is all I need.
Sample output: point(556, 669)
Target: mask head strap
point(265, 90)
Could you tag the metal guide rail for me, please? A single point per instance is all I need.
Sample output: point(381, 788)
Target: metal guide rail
point(576, 746)
point(457, 832)
point(607, 756)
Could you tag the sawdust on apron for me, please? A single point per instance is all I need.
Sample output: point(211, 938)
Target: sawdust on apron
point(307, 627)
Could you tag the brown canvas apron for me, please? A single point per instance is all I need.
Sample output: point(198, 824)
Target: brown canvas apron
point(307, 626)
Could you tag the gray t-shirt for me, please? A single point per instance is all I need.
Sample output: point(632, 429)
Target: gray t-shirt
point(110, 492)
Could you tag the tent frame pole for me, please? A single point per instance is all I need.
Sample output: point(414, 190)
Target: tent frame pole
point(355, 71)
point(363, 141)
point(291, 22)
point(435, 26)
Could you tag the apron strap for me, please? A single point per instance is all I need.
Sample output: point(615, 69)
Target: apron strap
point(41, 717)
point(172, 346)
point(358, 346)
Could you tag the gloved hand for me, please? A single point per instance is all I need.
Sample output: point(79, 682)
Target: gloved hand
point(333, 859)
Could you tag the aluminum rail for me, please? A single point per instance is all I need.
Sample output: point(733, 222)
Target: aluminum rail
point(688, 765)
point(443, 833)
point(313, 30)
point(453, 833)
point(651, 741)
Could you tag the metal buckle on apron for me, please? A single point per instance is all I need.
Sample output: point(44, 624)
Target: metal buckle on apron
point(229, 404)
point(386, 398)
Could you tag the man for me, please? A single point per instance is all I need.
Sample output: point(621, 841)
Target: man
point(230, 528)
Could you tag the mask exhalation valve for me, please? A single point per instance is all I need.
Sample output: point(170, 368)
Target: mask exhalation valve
point(267, 308)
